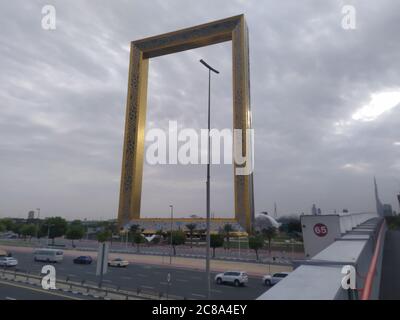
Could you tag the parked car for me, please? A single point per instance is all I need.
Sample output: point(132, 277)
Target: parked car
point(118, 262)
point(8, 262)
point(83, 260)
point(270, 280)
point(238, 278)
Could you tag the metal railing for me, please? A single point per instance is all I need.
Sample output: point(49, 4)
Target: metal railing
point(372, 270)
point(86, 287)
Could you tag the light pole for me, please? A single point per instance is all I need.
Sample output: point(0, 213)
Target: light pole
point(48, 232)
point(292, 241)
point(208, 178)
point(239, 246)
point(37, 224)
point(170, 249)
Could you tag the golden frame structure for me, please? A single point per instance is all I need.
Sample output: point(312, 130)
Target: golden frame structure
point(231, 29)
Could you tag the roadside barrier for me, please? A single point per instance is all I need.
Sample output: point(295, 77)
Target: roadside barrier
point(85, 287)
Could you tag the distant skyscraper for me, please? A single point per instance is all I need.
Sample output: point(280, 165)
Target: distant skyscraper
point(319, 211)
point(314, 210)
point(275, 211)
point(31, 215)
point(387, 210)
point(379, 205)
point(398, 198)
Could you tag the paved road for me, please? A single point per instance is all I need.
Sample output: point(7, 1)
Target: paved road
point(17, 291)
point(390, 282)
point(184, 283)
point(183, 251)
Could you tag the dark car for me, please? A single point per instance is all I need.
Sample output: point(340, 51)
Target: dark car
point(83, 260)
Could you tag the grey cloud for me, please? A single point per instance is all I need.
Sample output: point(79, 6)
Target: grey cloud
point(63, 96)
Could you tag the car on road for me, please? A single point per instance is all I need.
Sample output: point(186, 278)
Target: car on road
point(270, 280)
point(118, 262)
point(83, 260)
point(238, 278)
point(8, 262)
point(48, 255)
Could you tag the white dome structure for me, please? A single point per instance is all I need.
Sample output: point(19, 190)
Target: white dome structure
point(264, 221)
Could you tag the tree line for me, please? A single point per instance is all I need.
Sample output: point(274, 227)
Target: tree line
point(54, 227)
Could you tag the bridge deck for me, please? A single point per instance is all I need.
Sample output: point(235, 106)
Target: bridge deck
point(390, 284)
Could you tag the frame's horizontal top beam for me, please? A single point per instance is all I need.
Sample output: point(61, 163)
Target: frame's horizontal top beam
point(190, 38)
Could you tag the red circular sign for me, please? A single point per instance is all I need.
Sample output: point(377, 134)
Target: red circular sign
point(320, 230)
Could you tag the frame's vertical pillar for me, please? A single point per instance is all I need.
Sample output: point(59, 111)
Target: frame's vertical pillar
point(234, 29)
point(133, 153)
point(244, 198)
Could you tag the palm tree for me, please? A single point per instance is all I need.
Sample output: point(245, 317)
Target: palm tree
point(269, 233)
point(134, 228)
point(228, 228)
point(111, 227)
point(161, 234)
point(216, 241)
point(103, 236)
point(191, 227)
point(256, 243)
point(202, 234)
point(138, 239)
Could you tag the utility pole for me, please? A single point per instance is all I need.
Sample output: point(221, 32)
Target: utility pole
point(37, 224)
point(48, 232)
point(171, 246)
point(208, 179)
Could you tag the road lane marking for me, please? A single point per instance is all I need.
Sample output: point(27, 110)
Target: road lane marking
point(9, 298)
point(147, 287)
point(182, 280)
point(198, 295)
point(124, 277)
point(39, 290)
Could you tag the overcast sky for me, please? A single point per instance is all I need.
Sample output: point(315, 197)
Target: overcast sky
point(325, 105)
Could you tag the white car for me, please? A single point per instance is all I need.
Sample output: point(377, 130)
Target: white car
point(270, 280)
point(48, 255)
point(118, 263)
point(238, 278)
point(8, 262)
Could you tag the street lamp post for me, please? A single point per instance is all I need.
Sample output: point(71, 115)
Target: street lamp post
point(292, 241)
point(170, 249)
point(48, 232)
point(37, 224)
point(239, 246)
point(208, 178)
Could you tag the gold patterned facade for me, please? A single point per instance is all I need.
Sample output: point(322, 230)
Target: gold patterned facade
point(231, 29)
